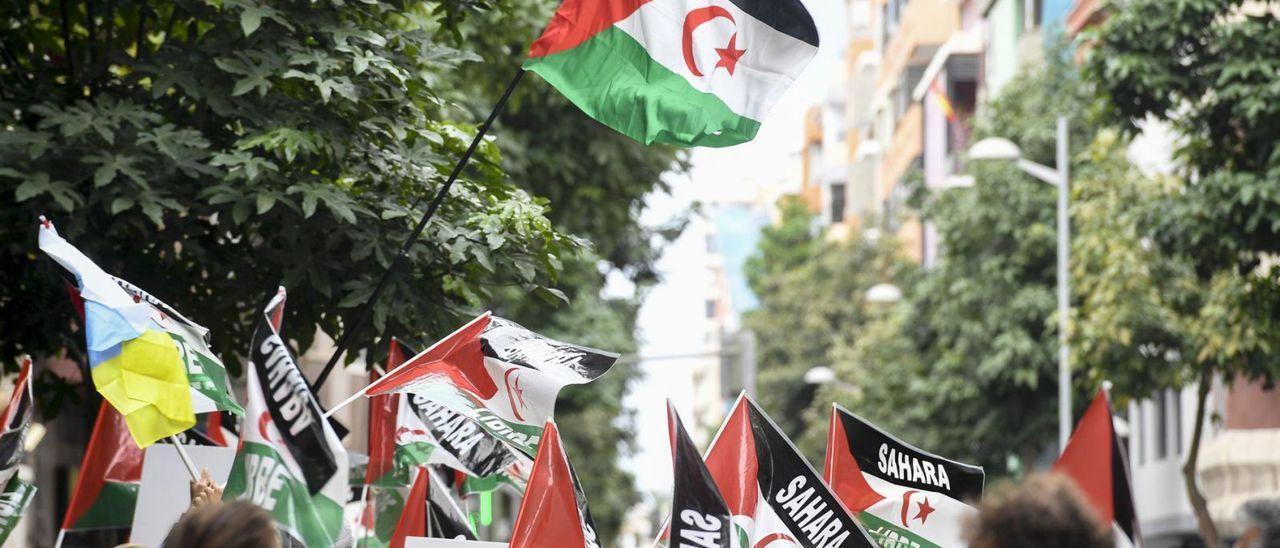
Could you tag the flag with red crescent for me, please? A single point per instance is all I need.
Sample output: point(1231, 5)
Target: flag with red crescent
point(290, 460)
point(497, 377)
point(777, 500)
point(901, 494)
point(1095, 459)
point(683, 72)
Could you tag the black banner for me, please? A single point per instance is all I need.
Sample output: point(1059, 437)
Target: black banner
point(880, 454)
point(797, 494)
point(700, 518)
point(291, 404)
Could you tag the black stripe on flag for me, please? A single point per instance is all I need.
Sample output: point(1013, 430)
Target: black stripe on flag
point(786, 16)
point(880, 454)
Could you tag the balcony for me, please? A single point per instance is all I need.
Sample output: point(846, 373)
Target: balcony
point(904, 148)
point(925, 25)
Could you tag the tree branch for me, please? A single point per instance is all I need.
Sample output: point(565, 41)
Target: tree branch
point(1208, 531)
point(67, 52)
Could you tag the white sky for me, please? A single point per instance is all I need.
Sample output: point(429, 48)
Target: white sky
point(767, 164)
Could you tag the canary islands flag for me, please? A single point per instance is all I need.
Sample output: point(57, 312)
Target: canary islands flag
point(135, 364)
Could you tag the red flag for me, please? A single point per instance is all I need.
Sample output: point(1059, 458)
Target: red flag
point(413, 519)
point(552, 514)
point(107, 488)
point(382, 421)
point(1095, 460)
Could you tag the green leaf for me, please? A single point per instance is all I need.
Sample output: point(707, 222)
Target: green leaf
point(120, 204)
point(265, 202)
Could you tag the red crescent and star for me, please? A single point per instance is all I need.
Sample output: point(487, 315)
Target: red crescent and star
point(729, 54)
point(923, 509)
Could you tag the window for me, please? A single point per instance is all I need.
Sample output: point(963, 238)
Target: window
point(837, 202)
point(711, 308)
point(1161, 426)
point(1176, 402)
point(1139, 428)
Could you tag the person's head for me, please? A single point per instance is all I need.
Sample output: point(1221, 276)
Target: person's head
point(1261, 519)
point(1045, 511)
point(235, 524)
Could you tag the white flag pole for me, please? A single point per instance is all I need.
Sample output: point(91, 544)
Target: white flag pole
point(62, 535)
point(186, 459)
point(366, 388)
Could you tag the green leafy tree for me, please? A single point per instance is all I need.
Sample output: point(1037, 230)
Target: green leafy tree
point(1206, 68)
point(965, 365)
point(812, 297)
point(1148, 321)
point(209, 152)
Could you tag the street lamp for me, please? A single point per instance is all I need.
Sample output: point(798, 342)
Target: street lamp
point(822, 374)
point(995, 148)
point(884, 293)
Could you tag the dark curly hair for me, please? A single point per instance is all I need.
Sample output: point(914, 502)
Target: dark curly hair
point(1046, 511)
point(235, 524)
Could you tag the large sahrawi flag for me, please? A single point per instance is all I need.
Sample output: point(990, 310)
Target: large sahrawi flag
point(407, 431)
point(499, 374)
point(1095, 459)
point(900, 493)
point(773, 493)
point(290, 461)
point(699, 516)
point(553, 512)
point(17, 493)
point(685, 72)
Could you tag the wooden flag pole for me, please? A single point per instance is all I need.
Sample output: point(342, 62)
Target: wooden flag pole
point(366, 310)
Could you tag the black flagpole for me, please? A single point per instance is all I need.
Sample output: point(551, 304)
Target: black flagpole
point(362, 316)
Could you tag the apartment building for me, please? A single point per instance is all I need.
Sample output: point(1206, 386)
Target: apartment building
point(916, 72)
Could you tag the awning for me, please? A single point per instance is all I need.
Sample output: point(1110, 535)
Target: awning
point(960, 43)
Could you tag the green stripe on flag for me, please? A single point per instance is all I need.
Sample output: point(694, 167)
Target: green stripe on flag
point(261, 477)
point(112, 509)
point(890, 535)
point(613, 79)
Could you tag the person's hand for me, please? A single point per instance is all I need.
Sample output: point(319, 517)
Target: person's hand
point(205, 491)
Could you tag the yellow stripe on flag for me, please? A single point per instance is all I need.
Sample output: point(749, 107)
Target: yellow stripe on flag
point(147, 383)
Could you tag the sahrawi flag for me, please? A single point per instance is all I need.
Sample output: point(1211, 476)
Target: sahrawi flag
point(150, 362)
point(17, 493)
point(685, 72)
point(902, 495)
point(553, 513)
point(409, 430)
point(497, 373)
point(776, 498)
point(1095, 459)
point(290, 461)
point(700, 517)
point(429, 511)
point(106, 489)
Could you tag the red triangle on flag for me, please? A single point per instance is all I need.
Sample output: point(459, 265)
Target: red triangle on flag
point(549, 515)
point(382, 421)
point(1095, 461)
point(458, 357)
point(841, 471)
point(413, 520)
point(112, 455)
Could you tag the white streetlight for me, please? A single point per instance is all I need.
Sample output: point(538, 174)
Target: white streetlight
point(822, 374)
point(995, 148)
point(884, 293)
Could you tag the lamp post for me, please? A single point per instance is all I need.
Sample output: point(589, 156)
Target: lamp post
point(995, 148)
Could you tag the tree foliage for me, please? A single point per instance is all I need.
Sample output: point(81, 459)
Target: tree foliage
point(209, 151)
point(812, 294)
